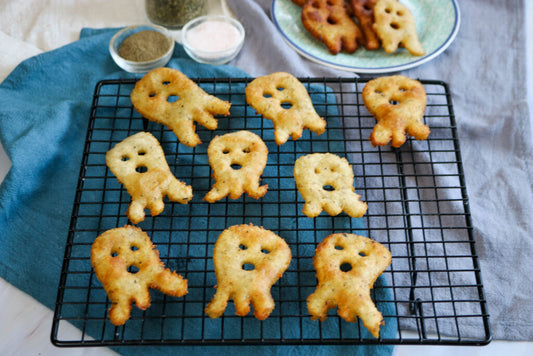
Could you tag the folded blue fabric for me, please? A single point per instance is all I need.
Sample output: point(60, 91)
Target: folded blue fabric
point(44, 107)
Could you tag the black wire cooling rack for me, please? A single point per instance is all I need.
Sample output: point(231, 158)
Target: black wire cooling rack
point(432, 292)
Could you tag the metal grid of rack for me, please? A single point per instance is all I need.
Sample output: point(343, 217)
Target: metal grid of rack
point(432, 292)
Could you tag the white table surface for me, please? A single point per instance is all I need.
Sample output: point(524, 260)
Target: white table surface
point(25, 324)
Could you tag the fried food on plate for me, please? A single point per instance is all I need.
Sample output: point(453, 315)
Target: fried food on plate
point(395, 25)
point(329, 21)
point(299, 2)
point(364, 11)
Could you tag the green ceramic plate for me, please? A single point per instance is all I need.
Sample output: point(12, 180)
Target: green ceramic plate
point(437, 23)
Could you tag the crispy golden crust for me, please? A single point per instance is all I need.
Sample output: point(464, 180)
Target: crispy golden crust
point(398, 103)
point(299, 2)
point(139, 163)
point(151, 96)
point(315, 172)
point(237, 249)
point(117, 250)
point(395, 26)
point(269, 94)
point(237, 160)
point(347, 5)
point(329, 21)
point(347, 266)
point(364, 11)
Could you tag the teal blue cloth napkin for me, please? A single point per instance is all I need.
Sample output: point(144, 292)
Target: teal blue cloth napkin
point(44, 110)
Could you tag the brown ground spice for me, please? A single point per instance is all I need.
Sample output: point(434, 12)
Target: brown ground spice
point(143, 46)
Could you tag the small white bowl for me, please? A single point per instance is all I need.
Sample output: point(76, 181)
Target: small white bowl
point(139, 67)
point(204, 29)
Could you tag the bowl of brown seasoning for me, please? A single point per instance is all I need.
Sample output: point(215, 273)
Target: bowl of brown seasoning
point(141, 48)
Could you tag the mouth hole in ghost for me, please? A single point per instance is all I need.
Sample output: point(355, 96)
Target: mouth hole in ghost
point(346, 267)
point(393, 102)
point(286, 105)
point(332, 21)
point(394, 25)
point(328, 188)
point(339, 247)
point(248, 266)
point(133, 269)
point(172, 98)
point(236, 166)
point(141, 169)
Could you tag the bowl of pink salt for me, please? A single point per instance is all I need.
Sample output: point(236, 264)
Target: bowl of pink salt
point(139, 49)
point(213, 39)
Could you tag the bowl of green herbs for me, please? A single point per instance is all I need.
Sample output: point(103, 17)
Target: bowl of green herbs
point(141, 48)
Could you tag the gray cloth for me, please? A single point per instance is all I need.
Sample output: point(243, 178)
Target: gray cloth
point(485, 70)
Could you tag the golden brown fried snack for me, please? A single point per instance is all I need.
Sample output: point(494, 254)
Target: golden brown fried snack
point(347, 266)
point(325, 181)
point(238, 160)
point(282, 98)
point(299, 2)
point(248, 261)
point(364, 11)
point(139, 163)
point(128, 265)
point(329, 21)
point(167, 96)
point(395, 25)
point(347, 5)
point(398, 104)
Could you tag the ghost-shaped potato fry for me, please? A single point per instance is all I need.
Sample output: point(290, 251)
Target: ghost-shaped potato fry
point(398, 104)
point(248, 261)
point(325, 181)
point(139, 163)
point(128, 265)
point(347, 266)
point(237, 160)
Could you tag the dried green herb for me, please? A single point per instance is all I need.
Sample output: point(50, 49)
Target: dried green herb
point(144, 46)
point(174, 13)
